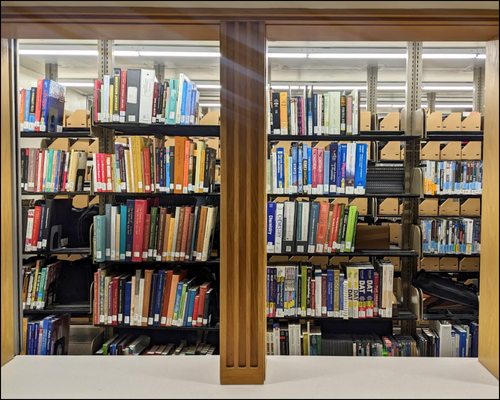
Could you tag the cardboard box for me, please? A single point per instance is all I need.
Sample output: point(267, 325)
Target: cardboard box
point(452, 151)
point(469, 264)
point(60, 144)
point(81, 201)
point(365, 121)
point(448, 264)
point(359, 259)
point(430, 151)
point(471, 208)
point(450, 207)
point(371, 237)
point(434, 121)
point(391, 151)
point(401, 209)
point(472, 151)
point(319, 260)
point(66, 114)
point(403, 153)
point(93, 148)
point(453, 122)
point(278, 259)
point(362, 204)
point(78, 119)
point(212, 118)
point(390, 122)
point(81, 144)
point(396, 261)
point(340, 200)
point(472, 122)
point(336, 260)
point(299, 258)
point(428, 207)
point(395, 233)
point(389, 206)
point(429, 264)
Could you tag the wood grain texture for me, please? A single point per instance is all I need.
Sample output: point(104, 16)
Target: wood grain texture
point(488, 305)
point(243, 203)
point(7, 294)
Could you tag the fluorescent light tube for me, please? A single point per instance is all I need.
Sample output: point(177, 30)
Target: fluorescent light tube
point(126, 53)
point(357, 55)
point(391, 87)
point(178, 54)
point(77, 84)
point(463, 88)
point(448, 56)
point(209, 105)
point(208, 86)
point(49, 52)
point(453, 106)
point(286, 55)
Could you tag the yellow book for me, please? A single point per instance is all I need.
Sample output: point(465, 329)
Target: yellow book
point(283, 113)
point(350, 288)
point(25, 334)
point(137, 158)
point(128, 172)
point(200, 146)
point(111, 102)
point(34, 291)
point(171, 226)
point(73, 166)
point(202, 170)
point(355, 291)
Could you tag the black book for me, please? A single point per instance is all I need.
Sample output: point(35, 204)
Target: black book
point(23, 168)
point(156, 223)
point(32, 100)
point(308, 294)
point(299, 292)
point(152, 298)
point(172, 172)
point(116, 95)
point(212, 170)
point(206, 316)
point(121, 296)
point(344, 226)
point(206, 174)
point(276, 113)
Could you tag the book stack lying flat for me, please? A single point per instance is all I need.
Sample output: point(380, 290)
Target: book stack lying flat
point(135, 95)
point(331, 169)
point(47, 336)
point(452, 236)
point(314, 113)
point(453, 177)
point(151, 298)
point(311, 227)
point(38, 284)
point(352, 290)
point(149, 166)
point(141, 230)
point(385, 178)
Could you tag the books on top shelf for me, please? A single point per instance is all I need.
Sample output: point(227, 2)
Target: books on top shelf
point(311, 227)
point(130, 344)
point(147, 166)
point(136, 96)
point(141, 230)
point(452, 177)
point(52, 171)
point(47, 336)
point(313, 113)
point(41, 108)
point(353, 290)
point(38, 284)
point(151, 298)
point(452, 236)
point(331, 169)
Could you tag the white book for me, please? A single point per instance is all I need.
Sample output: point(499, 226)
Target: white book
point(126, 156)
point(139, 318)
point(38, 183)
point(29, 229)
point(317, 295)
point(334, 115)
point(304, 226)
point(209, 227)
point(105, 99)
point(443, 331)
point(293, 116)
point(274, 173)
point(389, 291)
point(344, 311)
point(113, 232)
point(289, 215)
point(276, 341)
point(146, 96)
point(355, 112)
point(318, 116)
point(279, 227)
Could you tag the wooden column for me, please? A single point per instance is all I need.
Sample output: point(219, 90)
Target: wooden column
point(6, 209)
point(488, 302)
point(243, 203)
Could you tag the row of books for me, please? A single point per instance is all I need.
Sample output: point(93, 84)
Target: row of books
point(38, 284)
point(47, 336)
point(135, 95)
point(441, 339)
point(332, 169)
point(130, 344)
point(151, 298)
point(41, 108)
point(352, 290)
point(141, 230)
point(147, 166)
point(311, 227)
point(49, 170)
point(453, 177)
point(331, 113)
point(452, 236)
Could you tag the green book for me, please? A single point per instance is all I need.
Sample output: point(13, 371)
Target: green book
point(43, 278)
point(99, 233)
point(152, 167)
point(152, 226)
point(341, 224)
point(303, 294)
point(49, 171)
point(351, 222)
point(182, 304)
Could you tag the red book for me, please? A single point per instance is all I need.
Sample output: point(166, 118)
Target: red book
point(103, 172)
point(123, 94)
point(115, 300)
point(201, 305)
point(139, 220)
point(185, 228)
point(324, 208)
point(195, 310)
point(38, 104)
point(186, 166)
point(98, 170)
point(166, 297)
point(332, 227)
point(97, 88)
point(109, 173)
point(376, 284)
point(336, 226)
point(313, 297)
point(65, 170)
point(37, 178)
point(320, 176)
point(323, 294)
point(96, 298)
point(110, 302)
point(314, 172)
point(147, 169)
point(145, 243)
point(36, 227)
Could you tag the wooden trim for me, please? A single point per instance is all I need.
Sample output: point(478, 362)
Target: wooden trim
point(488, 306)
point(243, 203)
point(6, 205)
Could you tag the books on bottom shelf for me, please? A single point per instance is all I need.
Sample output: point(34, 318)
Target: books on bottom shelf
point(141, 230)
point(47, 336)
point(151, 298)
point(352, 290)
point(38, 284)
point(134, 345)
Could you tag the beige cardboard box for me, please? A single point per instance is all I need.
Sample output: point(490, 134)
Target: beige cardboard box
point(453, 122)
point(471, 208)
point(78, 119)
point(472, 151)
point(452, 151)
point(389, 206)
point(472, 122)
point(434, 121)
point(396, 261)
point(336, 260)
point(448, 264)
point(390, 122)
point(429, 263)
point(469, 264)
point(391, 151)
point(365, 121)
point(428, 207)
point(430, 151)
point(362, 204)
point(450, 207)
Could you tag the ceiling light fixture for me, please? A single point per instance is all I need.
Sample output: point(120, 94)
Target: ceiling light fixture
point(358, 55)
point(208, 86)
point(49, 52)
point(178, 54)
point(286, 55)
point(445, 88)
point(209, 105)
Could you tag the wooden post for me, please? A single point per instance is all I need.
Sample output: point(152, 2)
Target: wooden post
point(243, 203)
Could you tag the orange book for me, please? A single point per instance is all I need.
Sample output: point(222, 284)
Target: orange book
point(186, 167)
point(180, 146)
point(201, 232)
point(178, 238)
point(147, 293)
point(322, 225)
point(283, 113)
point(166, 297)
point(21, 110)
point(185, 229)
point(176, 278)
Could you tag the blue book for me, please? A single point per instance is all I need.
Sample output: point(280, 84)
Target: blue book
point(194, 97)
point(332, 178)
point(29, 335)
point(50, 332)
point(57, 160)
point(36, 331)
point(32, 114)
point(172, 102)
point(474, 331)
point(341, 294)
point(341, 173)
point(161, 163)
point(315, 113)
point(274, 292)
point(129, 230)
point(300, 171)
point(187, 105)
point(49, 177)
point(54, 110)
point(127, 302)
point(361, 165)
point(183, 101)
point(309, 169)
point(26, 125)
point(45, 325)
point(326, 172)
point(99, 232)
point(188, 316)
point(159, 297)
point(329, 292)
point(123, 231)
point(280, 163)
point(107, 213)
point(44, 103)
point(310, 130)
point(178, 300)
point(268, 299)
point(294, 169)
point(313, 225)
point(271, 228)
point(462, 340)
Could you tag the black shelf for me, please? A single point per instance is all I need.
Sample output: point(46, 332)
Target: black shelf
point(198, 263)
point(166, 328)
point(136, 129)
point(84, 192)
point(70, 133)
point(364, 136)
point(332, 196)
point(397, 314)
point(74, 308)
point(449, 255)
point(447, 136)
point(389, 216)
point(156, 194)
point(450, 315)
point(394, 251)
point(455, 196)
point(76, 250)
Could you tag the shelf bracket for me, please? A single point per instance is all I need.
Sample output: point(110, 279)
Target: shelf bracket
point(479, 86)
